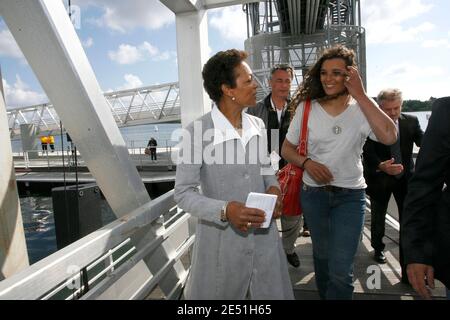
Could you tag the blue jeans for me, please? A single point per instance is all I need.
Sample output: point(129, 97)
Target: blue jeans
point(335, 220)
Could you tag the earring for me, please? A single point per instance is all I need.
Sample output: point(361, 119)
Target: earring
point(233, 98)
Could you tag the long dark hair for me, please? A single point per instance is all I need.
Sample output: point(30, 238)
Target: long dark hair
point(311, 87)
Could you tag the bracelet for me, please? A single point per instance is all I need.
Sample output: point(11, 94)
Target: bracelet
point(223, 213)
point(304, 162)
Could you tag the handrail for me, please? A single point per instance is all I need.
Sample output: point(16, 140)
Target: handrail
point(55, 158)
point(43, 276)
point(155, 104)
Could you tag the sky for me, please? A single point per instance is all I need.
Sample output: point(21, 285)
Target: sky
point(133, 43)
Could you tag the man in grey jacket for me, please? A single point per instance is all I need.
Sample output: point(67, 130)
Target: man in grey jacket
point(274, 111)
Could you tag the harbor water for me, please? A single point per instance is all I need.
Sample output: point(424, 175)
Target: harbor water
point(134, 136)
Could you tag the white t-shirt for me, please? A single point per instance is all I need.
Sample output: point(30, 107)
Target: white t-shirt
point(335, 142)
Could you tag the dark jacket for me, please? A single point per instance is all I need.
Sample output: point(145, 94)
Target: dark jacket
point(152, 144)
point(375, 152)
point(264, 111)
point(426, 218)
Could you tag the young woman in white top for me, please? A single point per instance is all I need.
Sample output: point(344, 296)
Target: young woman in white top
point(333, 198)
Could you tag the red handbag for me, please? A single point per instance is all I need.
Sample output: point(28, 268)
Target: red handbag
point(290, 177)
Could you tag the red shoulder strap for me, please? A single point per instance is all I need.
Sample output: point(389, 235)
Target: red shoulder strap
point(304, 129)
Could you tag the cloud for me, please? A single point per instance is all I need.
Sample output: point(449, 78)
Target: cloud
point(123, 16)
point(436, 43)
point(88, 42)
point(230, 22)
point(19, 94)
point(384, 20)
point(416, 82)
point(411, 71)
point(126, 54)
point(148, 48)
point(129, 54)
point(131, 82)
point(8, 46)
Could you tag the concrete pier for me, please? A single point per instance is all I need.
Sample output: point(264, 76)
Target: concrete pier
point(13, 249)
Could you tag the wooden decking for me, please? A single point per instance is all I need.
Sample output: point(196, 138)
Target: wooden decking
point(390, 286)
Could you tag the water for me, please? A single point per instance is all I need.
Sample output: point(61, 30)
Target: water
point(37, 210)
point(423, 117)
point(39, 225)
point(134, 136)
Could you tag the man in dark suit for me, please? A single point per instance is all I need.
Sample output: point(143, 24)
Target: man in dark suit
point(387, 169)
point(274, 111)
point(426, 219)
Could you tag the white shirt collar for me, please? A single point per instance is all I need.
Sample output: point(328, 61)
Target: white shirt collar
point(274, 107)
point(224, 130)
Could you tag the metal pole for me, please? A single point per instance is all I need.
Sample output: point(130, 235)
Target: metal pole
point(339, 12)
point(70, 11)
point(48, 159)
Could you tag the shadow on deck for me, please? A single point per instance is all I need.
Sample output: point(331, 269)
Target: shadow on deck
point(390, 287)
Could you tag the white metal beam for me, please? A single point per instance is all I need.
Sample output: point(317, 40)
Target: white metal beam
point(13, 248)
point(211, 4)
point(192, 50)
point(48, 40)
point(181, 6)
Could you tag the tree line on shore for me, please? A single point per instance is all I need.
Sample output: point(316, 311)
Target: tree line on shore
point(417, 105)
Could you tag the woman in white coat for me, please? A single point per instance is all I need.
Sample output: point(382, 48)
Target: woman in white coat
point(224, 158)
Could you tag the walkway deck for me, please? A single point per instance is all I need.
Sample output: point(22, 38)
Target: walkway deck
point(50, 169)
point(390, 286)
point(86, 177)
point(303, 277)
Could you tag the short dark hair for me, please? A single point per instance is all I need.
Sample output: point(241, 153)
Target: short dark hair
point(219, 70)
point(281, 66)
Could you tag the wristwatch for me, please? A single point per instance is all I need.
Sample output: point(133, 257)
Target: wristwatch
point(223, 213)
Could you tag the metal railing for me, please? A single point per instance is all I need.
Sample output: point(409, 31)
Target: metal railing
point(151, 104)
point(88, 267)
point(48, 158)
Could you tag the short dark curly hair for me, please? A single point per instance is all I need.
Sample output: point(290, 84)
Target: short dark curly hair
point(219, 70)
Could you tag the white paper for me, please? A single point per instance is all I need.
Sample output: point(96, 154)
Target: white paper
point(263, 201)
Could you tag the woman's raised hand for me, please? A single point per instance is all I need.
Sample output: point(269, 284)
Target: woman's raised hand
point(353, 83)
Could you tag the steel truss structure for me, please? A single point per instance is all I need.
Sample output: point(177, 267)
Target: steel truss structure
point(296, 31)
point(145, 105)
